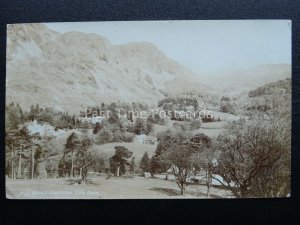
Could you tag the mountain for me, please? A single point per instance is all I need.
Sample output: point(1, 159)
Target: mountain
point(233, 82)
point(73, 70)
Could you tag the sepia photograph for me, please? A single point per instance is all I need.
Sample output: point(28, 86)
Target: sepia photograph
point(174, 109)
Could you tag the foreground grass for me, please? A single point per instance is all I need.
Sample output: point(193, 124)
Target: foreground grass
point(102, 188)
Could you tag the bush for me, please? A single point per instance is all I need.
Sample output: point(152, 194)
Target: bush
point(117, 137)
point(127, 137)
point(122, 137)
point(104, 137)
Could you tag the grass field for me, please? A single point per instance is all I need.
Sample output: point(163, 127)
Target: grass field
point(138, 149)
point(102, 188)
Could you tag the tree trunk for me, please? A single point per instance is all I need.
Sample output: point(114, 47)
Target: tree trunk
point(243, 190)
point(208, 189)
point(182, 190)
point(32, 162)
point(209, 181)
point(133, 168)
point(12, 163)
point(46, 162)
point(118, 171)
point(72, 167)
point(83, 176)
point(12, 170)
point(19, 175)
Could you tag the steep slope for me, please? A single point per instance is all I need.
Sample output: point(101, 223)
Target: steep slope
point(23, 41)
point(73, 70)
point(270, 99)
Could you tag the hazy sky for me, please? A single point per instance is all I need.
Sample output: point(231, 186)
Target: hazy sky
point(203, 46)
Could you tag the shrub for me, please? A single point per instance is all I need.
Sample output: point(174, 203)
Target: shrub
point(104, 137)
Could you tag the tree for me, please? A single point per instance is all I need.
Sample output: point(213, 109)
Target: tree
point(113, 116)
point(32, 113)
point(36, 155)
point(78, 156)
point(195, 103)
point(86, 158)
point(148, 126)
point(97, 128)
point(226, 105)
point(180, 156)
point(275, 181)
point(48, 165)
point(156, 118)
point(71, 146)
point(249, 151)
point(177, 150)
point(204, 158)
point(168, 138)
point(145, 163)
point(139, 127)
point(13, 117)
point(19, 146)
point(99, 164)
point(104, 137)
point(157, 165)
point(159, 162)
point(11, 142)
point(132, 165)
point(85, 126)
point(37, 110)
point(118, 161)
point(41, 153)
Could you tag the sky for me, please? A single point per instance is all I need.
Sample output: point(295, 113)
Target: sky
point(202, 46)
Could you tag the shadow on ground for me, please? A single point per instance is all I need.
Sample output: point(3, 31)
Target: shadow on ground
point(215, 196)
point(167, 191)
point(172, 192)
point(77, 181)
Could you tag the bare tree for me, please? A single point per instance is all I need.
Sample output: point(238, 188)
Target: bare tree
point(203, 157)
point(249, 149)
point(182, 165)
point(88, 159)
point(204, 161)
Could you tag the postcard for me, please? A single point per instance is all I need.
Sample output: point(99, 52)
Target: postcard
point(148, 110)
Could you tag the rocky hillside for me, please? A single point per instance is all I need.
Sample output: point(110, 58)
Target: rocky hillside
point(73, 70)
